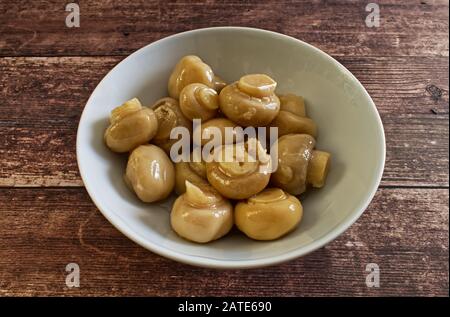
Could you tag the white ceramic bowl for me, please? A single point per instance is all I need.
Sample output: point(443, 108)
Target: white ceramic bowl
point(349, 127)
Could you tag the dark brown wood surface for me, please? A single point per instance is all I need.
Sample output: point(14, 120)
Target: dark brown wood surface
point(47, 72)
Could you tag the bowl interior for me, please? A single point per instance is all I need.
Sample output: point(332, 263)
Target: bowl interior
point(349, 128)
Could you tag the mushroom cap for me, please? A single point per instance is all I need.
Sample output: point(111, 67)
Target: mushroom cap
point(150, 173)
point(169, 116)
point(294, 153)
point(131, 130)
point(289, 123)
point(190, 69)
point(238, 176)
point(201, 214)
point(198, 101)
point(268, 215)
point(247, 110)
point(293, 103)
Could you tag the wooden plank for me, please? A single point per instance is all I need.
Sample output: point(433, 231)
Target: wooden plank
point(39, 120)
point(404, 231)
point(37, 28)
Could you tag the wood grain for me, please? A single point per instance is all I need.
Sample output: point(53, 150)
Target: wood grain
point(37, 28)
point(404, 231)
point(39, 124)
point(47, 220)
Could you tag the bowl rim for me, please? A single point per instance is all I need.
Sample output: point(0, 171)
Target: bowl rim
point(125, 229)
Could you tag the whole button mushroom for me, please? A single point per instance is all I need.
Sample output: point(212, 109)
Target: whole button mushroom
point(169, 115)
point(201, 214)
point(130, 126)
point(198, 101)
point(268, 215)
point(238, 174)
point(297, 160)
point(251, 101)
point(150, 173)
point(190, 69)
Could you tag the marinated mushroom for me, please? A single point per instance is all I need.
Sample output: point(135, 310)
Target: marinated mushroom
point(237, 173)
point(296, 161)
point(293, 103)
point(130, 126)
point(207, 128)
point(268, 215)
point(251, 101)
point(169, 115)
point(198, 101)
point(238, 167)
point(318, 167)
point(190, 69)
point(201, 214)
point(194, 172)
point(288, 122)
point(150, 173)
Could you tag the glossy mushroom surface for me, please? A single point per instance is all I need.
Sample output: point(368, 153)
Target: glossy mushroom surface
point(150, 173)
point(288, 122)
point(201, 214)
point(293, 104)
point(169, 116)
point(238, 174)
point(268, 215)
point(251, 101)
point(294, 153)
point(198, 101)
point(130, 126)
point(190, 69)
point(318, 168)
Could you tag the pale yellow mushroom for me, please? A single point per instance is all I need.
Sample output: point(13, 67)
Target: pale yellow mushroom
point(296, 161)
point(268, 215)
point(238, 174)
point(318, 167)
point(190, 69)
point(130, 126)
point(288, 122)
point(169, 115)
point(150, 173)
point(293, 103)
point(198, 101)
point(251, 101)
point(201, 214)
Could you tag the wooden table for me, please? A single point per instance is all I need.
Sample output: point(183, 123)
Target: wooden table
point(47, 72)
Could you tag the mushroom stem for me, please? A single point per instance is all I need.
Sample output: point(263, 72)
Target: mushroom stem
point(125, 109)
point(318, 167)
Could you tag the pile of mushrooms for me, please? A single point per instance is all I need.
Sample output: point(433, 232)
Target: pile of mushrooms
point(216, 194)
